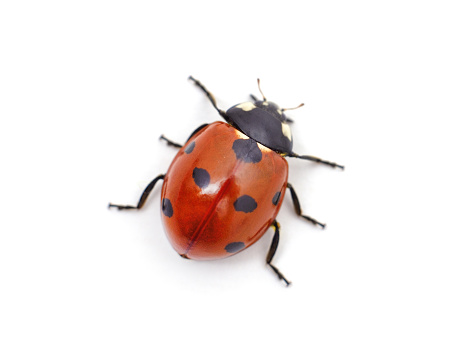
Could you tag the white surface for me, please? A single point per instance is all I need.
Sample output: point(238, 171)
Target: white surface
point(86, 88)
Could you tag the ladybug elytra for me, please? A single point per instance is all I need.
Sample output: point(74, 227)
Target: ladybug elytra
point(225, 186)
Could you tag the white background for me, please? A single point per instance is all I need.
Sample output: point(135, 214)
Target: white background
point(87, 87)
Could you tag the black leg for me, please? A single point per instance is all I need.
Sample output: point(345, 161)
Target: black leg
point(143, 197)
point(317, 160)
point(210, 97)
point(297, 207)
point(272, 251)
point(175, 144)
point(169, 142)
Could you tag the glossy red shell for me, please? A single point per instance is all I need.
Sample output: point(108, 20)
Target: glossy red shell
point(202, 216)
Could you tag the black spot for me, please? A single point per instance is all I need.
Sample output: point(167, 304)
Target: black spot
point(234, 247)
point(201, 177)
point(245, 204)
point(247, 150)
point(276, 198)
point(190, 147)
point(167, 208)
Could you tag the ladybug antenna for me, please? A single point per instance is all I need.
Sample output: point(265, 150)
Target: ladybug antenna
point(293, 108)
point(264, 98)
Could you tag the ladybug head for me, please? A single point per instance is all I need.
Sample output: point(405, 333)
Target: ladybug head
point(264, 122)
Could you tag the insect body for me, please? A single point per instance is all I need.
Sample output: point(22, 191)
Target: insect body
point(217, 197)
point(224, 188)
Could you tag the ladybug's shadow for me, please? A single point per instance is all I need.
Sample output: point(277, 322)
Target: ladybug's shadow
point(249, 266)
point(246, 266)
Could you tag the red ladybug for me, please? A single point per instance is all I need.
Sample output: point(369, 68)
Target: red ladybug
point(226, 184)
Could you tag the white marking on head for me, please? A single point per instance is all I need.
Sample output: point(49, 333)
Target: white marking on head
point(246, 106)
point(263, 148)
point(240, 135)
point(286, 130)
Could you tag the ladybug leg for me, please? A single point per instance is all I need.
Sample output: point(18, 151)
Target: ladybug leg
point(169, 142)
point(317, 160)
point(272, 251)
point(143, 197)
point(210, 97)
point(298, 209)
point(175, 144)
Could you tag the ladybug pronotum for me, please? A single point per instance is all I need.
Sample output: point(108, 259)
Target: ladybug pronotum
point(225, 186)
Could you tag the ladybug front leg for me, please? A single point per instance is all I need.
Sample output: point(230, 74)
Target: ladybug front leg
point(272, 252)
point(143, 197)
point(254, 98)
point(210, 97)
point(316, 159)
point(298, 209)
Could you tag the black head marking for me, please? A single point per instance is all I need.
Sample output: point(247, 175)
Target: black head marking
point(167, 208)
point(264, 122)
point(190, 147)
point(245, 204)
point(276, 198)
point(247, 150)
point(201, 177)
point(234, 247)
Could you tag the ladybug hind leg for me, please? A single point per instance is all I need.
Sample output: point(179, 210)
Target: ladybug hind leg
point(143, 198)
point(272, 252)
point(298, 209)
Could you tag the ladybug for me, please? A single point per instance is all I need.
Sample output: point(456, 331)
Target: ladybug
point(225, 186)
